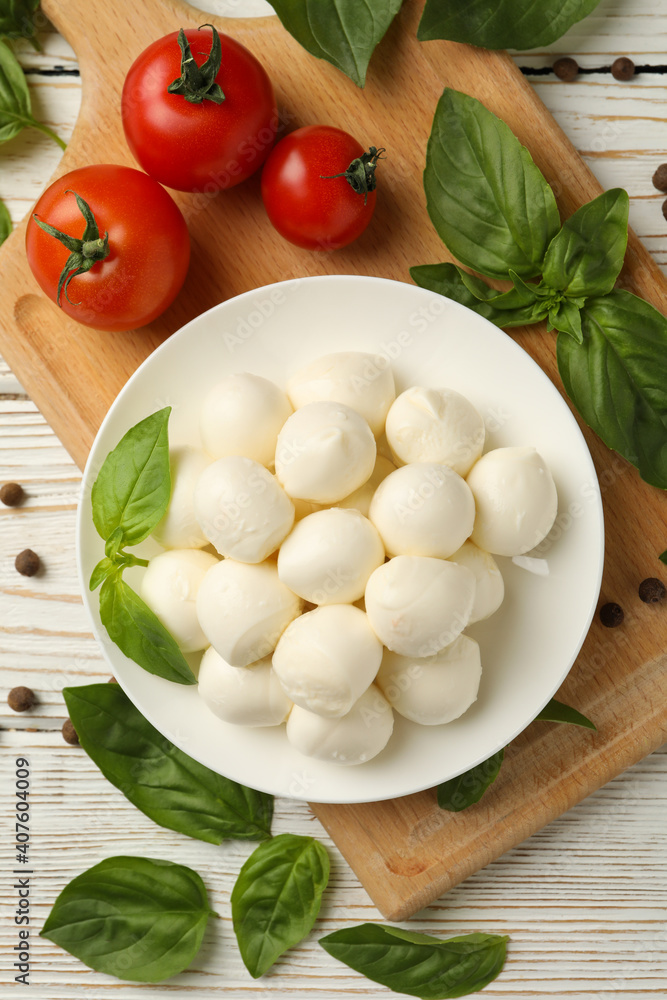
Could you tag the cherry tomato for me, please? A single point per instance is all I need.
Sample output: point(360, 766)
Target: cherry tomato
point(128, 278)
point(213, 130)
point(318, 187)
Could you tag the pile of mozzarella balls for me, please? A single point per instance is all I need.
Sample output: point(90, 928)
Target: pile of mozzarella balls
point(329, 584)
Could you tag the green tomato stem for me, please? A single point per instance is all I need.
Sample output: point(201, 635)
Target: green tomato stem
point(197, 83)
point(84, 252)
point(360, 174)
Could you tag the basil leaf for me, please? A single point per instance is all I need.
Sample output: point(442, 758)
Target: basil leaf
point(133, 486)
point(343, 32)
point(467, 788)
point(419, 964)
point(15, 109)
point(586, 256)
point(488, 201)
point(159, 779)
point(104, 569)
point(470, 291)
point(17, 19)
point(15, 113)
point(133, 918)
point(5, 222)
point(139, 634)
point(663, 557)
point(617, 379)
point(566, 317)
point(503, 24)
point(277, 897)
point(556, 711)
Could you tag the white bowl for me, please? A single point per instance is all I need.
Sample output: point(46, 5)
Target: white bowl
point(527, 647)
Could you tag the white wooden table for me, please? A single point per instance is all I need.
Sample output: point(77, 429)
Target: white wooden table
point(584, 901)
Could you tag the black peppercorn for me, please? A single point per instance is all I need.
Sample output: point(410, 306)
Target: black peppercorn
point(27, 562)
point(20, 699)
point(622, 68)
point(11, 494)
point(611, 615)
point(651, 590)
point(660, 177)
point(70, 734)
point(566, 68)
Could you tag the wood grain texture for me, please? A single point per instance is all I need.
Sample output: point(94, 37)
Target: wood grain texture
point(402, 851)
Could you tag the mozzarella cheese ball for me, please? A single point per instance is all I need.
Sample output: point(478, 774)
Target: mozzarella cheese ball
point(249, 696)
point(489, 584)
point(242, 416)
point(170, 587)
point(362, 381)
point(324, 452)
point(417, 606)
point(435, 425)
point(327, 658)
point(423, 510)
point(329, 556)
point(353, 738)
point(244, 609)
point(361, 499)
point(516, 500)
point(241, 509)
point(179, 528)
point(435, 689)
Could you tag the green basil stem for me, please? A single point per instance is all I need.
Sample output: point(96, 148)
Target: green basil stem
point(84, 252)
point(27, 121)
point(197, 83)
point(360, 174)
point(47, 131)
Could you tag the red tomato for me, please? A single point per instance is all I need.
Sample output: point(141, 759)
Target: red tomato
point(305, 202)
point(148, 246)
point(202, 146)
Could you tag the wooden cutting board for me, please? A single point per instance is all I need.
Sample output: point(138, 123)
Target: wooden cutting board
point(406, 852)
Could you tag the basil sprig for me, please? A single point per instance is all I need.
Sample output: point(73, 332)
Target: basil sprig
point(5, 222)
point(343, 32)
point(663, 557)
point(169, 787)
point(496, 213)
point(133, 918)
point(503, 24)
point(15, 107)
point(419, 964)
point(277, 897)
point(465, 789)
point(129, 498)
